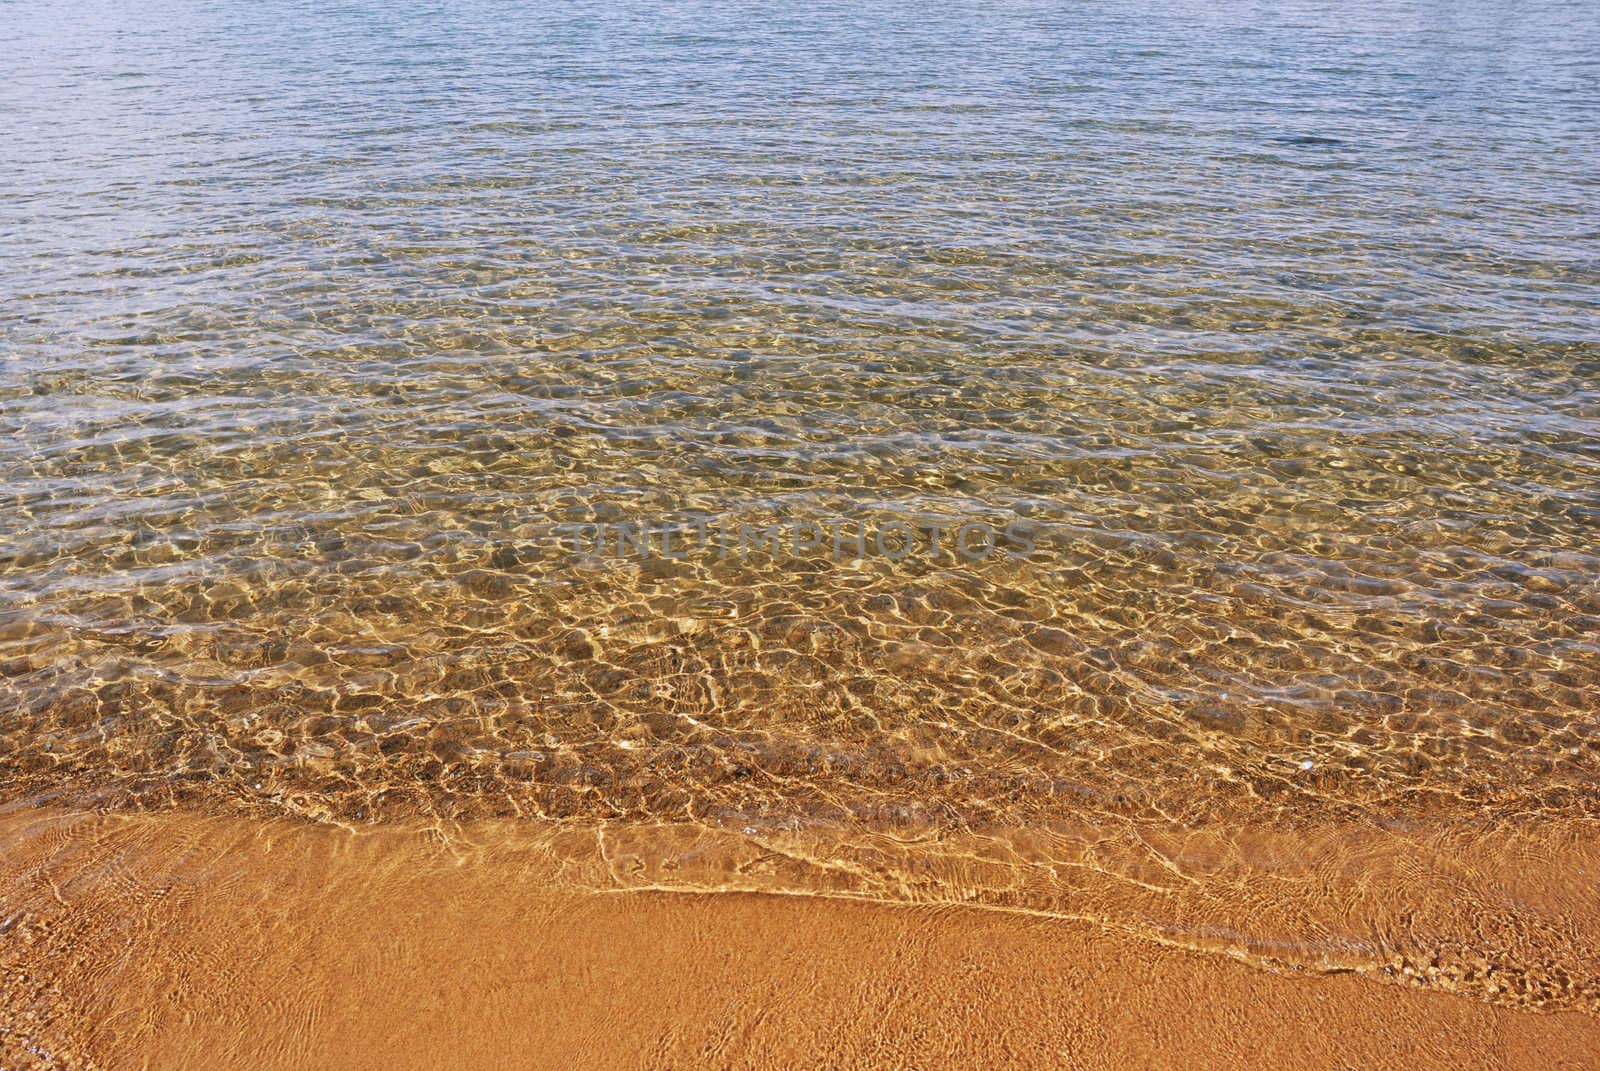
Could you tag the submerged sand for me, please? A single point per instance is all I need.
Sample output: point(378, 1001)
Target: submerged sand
point(178, 941)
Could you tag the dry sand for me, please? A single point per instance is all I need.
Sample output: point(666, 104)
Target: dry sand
point(169, 941)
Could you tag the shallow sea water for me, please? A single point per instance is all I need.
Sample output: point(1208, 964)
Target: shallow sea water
point(1272, 331)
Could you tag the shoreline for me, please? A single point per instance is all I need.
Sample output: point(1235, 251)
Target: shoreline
point(173, 940)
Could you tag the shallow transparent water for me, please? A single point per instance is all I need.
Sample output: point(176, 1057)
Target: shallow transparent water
point(1274, 326)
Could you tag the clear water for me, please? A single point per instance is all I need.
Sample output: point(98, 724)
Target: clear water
point(1275, 326)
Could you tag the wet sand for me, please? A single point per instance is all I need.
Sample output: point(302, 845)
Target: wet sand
point(174, 941)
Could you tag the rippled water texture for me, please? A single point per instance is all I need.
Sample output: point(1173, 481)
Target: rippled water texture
point(1275, 324)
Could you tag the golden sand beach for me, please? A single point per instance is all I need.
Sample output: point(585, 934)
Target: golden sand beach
point(175, 941)
point(870, 534)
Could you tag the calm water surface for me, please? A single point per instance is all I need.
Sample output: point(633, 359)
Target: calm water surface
point(1277, 326)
